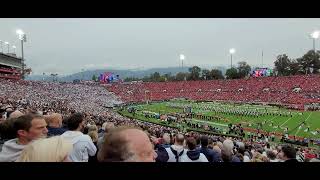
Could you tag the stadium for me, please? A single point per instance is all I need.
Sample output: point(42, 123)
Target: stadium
point(234, 101)
point(267, 114)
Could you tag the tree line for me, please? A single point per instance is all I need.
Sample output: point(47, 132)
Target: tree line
point(196, 73)
point(309, 63)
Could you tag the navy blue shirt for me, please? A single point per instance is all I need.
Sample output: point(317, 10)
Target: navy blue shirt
point(211, 155)
point(52, 131)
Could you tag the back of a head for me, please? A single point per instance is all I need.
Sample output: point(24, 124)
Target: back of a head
point(15, 114)
point(166, 138)
point(116, 148)
point(92, 128)
point(107, 126)
point(191, 143)
point(289, 151)
point(228, 145)
point(204, 141)
point(74, 121)
point(55, 119)
point(179, 139)
point(54, 149)
point(93, 135)
point(220, 145)
point(226, 155)
point(7, 130)
point(271, 155)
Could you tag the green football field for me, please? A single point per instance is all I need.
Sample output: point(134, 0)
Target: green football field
point(270, 123)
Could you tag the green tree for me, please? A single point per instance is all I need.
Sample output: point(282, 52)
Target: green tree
point(205, 75)
point(308, 60)
point(94, 78)
point(243, 69)
point(155, 77)
point(295, 68)
point(181, 76)
point(194, 73)
point(232, 73)
point(162, 79)
point(129, 79)
point(216, 74)
point(168, 77)
point(282, 65)
point(147, 78)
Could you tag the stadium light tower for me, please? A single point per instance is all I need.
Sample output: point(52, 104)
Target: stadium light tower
point(1, 42)
point(315, 35)
point(232, 51)
point(23, 38)
point(14, 49)
point(182, 57)
point(8, 45)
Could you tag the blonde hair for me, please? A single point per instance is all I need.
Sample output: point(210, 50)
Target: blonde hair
point(54, 149)
point(259, 158)
point(107, 126)
point(54, 118)
point(93, 135)
point(92, 128)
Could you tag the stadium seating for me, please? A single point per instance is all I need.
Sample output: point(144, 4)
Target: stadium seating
point(264, 89)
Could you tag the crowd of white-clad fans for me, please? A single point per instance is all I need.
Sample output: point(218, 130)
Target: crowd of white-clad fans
point(63, 122)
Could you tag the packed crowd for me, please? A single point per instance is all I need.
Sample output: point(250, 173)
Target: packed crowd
point(62, 97)
point(77, 139)
point(58, 122)
point(266, 89)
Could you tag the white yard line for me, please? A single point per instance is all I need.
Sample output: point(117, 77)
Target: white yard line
point(272, 119)
point(304, 121)
point(286, 121)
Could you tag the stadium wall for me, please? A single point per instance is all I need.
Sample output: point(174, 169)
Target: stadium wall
point(11, 61)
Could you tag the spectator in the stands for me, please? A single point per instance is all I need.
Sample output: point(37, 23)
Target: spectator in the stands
point(94, 136)
point(258, 157)
point(27, 128)
point(55, 125)
point(126, 144)
point(15, 114)
point(83, 146)
point(193, 154)
point(165, 142)
point(272, 156)
point(174, 152)
point(288, 154)
point(54, 149)
point(92, 128)
point(227, 152)
point(211, 155)
point(108, 126)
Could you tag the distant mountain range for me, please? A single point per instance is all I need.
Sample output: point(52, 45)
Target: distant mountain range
point(87, 75)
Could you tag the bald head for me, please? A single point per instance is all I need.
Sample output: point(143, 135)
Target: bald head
point(126, 144)
point(179, 139)
point(15, 114)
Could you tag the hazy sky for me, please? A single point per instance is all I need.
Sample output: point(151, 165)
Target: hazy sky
point(66, 46)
